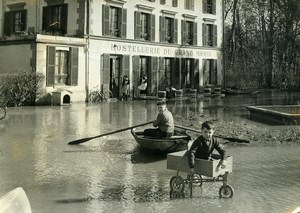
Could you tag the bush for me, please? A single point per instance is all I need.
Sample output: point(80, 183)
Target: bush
point(21, 89)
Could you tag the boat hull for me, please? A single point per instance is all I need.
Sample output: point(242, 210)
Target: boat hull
point(172, 144)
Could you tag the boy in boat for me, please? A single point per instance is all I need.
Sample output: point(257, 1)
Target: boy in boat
point(204, 146)
point(164, 123)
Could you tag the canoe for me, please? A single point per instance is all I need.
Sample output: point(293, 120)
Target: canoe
point(240, 92)
point(178, 142)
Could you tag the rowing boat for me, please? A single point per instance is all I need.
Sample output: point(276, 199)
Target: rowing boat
point(178, 142)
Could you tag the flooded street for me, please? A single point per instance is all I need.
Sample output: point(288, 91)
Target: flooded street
point(110, 174)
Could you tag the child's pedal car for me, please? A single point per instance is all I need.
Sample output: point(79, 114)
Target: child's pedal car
point(205, 171)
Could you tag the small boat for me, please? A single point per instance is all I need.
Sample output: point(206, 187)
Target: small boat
point(178, 142)
point(240, 91)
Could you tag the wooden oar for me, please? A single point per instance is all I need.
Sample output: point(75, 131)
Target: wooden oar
point(83, 140)
point(218, 136)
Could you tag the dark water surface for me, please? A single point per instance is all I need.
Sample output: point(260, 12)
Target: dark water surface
point(109, 174)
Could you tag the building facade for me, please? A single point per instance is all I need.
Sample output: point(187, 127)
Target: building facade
point(84, 45)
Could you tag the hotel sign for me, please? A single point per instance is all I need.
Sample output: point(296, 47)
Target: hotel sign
point(159, 51)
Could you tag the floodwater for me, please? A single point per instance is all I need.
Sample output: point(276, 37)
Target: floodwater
point(109, 174)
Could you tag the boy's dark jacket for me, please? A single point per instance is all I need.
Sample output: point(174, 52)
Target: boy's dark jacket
point(201, 150)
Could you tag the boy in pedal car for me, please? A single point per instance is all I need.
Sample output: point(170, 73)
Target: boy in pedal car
point(204, 146)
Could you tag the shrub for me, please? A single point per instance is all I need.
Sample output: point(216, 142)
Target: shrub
point(21, 89)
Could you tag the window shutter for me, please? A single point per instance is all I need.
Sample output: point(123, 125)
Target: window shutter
point(177, 77)
point(24, 20)
point(125, 65)
point(162, 29)
point(211, 72)
point(8, 23)
point(183, 72)
point(192, 73)
point(175, 3)
point(73, 78)
point(183, 32)
point(214, 7)
point(123, 23)
point(196, 74)
point(152, 32)
point(45, 24)
point(161, 74)
point(215, 72)
point(136, 73)
point(204, 6)
point(195, 37)
point(106, 71)
point(50, 71)
point(215, 36)
point(138, 27)
point(105, 20)
point(204, 35)
point(154, 64)
point(204, 72)
point(64, 18)
point(192, 4)
point(175, 31)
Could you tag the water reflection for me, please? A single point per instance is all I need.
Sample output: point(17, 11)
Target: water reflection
point(109, 174)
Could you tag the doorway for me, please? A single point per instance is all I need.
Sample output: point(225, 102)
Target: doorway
point(114, 76)
point(209, 72)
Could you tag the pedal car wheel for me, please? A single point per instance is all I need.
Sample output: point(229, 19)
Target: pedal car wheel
point(177, 184)
point(226, 191)
point(196, 179)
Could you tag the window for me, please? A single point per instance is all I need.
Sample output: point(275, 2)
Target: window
point(169, 65)
point(188, 68)
point(114, 21)
point(174, 3)
point(62, 66)
point(189, 26)
point(189, 4)
point(143, 66)
point(144, 26)
point(162, 1)
point(209, 6)
point(55, 19)
point(168, 29)
point(15, 22)
point(190, 73)
point(209, 35)
point(189, 33)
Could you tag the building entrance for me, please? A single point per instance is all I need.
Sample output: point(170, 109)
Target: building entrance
point(114, 76)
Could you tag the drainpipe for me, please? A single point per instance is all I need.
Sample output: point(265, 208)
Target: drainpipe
point(36, 16)
point(87, 51)
point(223, 43)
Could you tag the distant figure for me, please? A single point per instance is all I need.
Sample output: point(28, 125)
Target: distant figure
point(164, 123)
point(284, 83)
point(143, 86)
point(125, 88)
